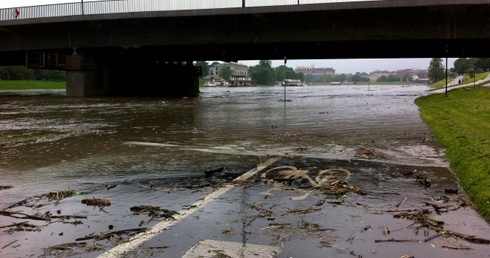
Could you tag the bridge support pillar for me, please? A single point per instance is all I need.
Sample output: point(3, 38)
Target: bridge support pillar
point(134, 77)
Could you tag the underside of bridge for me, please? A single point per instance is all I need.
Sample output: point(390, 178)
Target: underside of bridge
point(141, 52)
point(130, 75)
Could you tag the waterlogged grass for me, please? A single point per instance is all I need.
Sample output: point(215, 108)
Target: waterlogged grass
point(461, 124)
point(31, 85)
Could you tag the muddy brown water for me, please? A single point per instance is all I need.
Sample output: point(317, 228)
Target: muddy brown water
point(154, 151)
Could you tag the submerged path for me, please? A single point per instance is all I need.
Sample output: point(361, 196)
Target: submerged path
point(355, 172)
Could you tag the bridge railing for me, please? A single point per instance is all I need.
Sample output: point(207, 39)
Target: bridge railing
point(127, 6)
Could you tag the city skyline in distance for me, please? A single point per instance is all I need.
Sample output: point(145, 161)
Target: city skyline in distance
point(351, 66)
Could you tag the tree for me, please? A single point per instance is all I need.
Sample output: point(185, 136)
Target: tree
point(471, 72)
point(340, 77)
point(282, 74)
point(436, 70)
point(392, 78)
point(16, 73)
point(357, 77)
point(483, 64)
point(225, 73)
point(204, 67)
point(406, 77)
point(265, 63)
point(263, 72)
point(462, 65)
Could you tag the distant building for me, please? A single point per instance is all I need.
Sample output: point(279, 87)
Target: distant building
point(239, 73)
point(374, 76)
point(315, 74)
point(411, 73)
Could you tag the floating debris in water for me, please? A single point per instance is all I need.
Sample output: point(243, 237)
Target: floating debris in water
point(97, 202)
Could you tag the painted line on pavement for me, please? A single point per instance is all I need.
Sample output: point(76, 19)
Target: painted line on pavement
point(141, 238)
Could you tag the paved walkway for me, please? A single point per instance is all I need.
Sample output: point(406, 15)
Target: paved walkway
point(450, 87)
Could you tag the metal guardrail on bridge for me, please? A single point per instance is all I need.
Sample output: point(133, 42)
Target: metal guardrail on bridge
point(127, 6)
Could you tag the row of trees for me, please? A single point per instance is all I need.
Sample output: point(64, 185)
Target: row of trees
point(23, 73)
point(471, 66)
point(264, 73)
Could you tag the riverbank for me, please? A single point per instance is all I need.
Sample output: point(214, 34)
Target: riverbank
point(461, 124)
point(31, 85)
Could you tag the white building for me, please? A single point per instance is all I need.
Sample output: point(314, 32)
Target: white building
point(239, 73)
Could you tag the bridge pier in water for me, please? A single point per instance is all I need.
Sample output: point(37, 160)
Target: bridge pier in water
point(133, 76)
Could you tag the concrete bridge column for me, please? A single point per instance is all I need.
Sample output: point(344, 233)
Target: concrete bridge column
point(133, 76)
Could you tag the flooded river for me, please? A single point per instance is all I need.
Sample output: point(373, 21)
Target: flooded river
point(155, 152)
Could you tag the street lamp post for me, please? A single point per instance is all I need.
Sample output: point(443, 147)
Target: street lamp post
point(446, 70)
point(82, 9)
point(284, 81)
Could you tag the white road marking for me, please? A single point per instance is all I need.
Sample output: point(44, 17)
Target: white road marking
point(141, 238)
point(212, 248)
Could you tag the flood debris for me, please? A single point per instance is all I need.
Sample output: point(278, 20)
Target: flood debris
point(33, 202)
point(153, 212)
point(456, 247)
point(5, 187)
point(422, 219)
point(22, 226)
point(110, 186)
point(113, 234)
point(423, 181)
point(96, 202)
point(400, 203)
point(368, 153)
point(386, 231)
point(302, 211)
point(333, 180)
point(59, 195)
point(392, 240)
point(444, 233)
point(469, 238)
point(451, 191)
point(9, 244)
point(214, 171)
point(63, 249)
point(21, 215)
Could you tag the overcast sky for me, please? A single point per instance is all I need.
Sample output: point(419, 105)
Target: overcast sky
point(340, 66)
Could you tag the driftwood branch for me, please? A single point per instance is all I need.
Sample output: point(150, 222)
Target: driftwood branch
point(469, 238)
point(20, 215)
point(392, 240)
point(111, 234)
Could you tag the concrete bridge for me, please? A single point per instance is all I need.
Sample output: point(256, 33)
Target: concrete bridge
point(148, 46)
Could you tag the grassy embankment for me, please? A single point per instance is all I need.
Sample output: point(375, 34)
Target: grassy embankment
point(31, 85)
point(461, 124)
point(466, 79)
